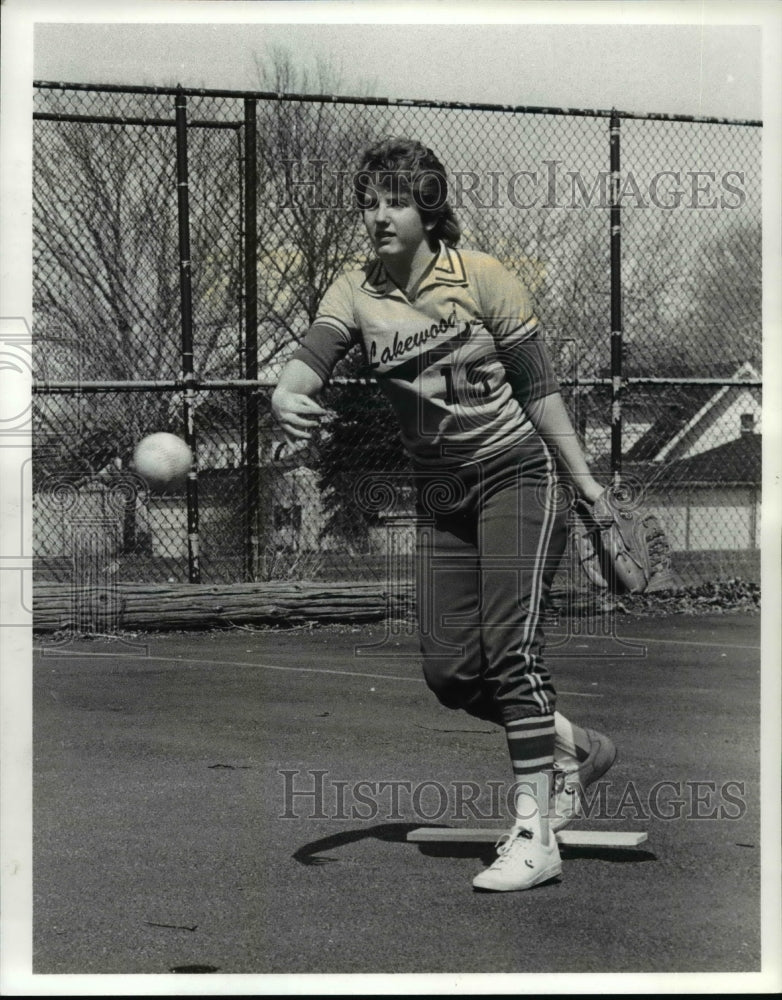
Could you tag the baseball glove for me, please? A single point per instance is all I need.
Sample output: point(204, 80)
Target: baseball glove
point(621, 548)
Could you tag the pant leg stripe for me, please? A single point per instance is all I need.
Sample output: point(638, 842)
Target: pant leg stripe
point(540, 696)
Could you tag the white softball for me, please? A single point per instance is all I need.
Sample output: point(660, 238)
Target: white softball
point(163, 460)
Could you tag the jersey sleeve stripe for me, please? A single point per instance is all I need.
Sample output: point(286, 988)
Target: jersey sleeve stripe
point(332, 323)
point(327, 341)
point(321, 368)
point(521, 332)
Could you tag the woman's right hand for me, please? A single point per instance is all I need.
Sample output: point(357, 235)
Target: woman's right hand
point(296, 413)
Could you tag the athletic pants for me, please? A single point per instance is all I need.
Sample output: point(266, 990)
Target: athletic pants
point(489, 538)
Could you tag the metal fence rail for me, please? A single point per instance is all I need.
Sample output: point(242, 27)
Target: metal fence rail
point(183, 240)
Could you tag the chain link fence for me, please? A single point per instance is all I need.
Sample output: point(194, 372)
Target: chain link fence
point(270, 223)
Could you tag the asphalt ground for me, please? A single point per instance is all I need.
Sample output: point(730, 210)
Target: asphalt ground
point(168, 838)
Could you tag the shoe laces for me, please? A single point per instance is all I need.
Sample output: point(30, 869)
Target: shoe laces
point(507, 841)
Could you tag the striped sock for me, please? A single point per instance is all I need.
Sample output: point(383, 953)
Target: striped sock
point(531, 748)
point(531, 744)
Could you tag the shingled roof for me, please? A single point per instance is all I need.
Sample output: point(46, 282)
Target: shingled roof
point(736, 463)
point(677, 414)
point(671, 420)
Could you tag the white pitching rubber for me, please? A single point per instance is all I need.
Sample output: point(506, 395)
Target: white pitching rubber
point(565, 838)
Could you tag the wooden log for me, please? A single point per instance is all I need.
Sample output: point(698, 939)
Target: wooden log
point(60, 606)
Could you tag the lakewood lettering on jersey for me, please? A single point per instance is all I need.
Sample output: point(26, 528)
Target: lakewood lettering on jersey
point(413, 342)
point(411, 367)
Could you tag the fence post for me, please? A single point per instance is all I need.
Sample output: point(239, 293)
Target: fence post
point(616, 303)
point(252, 467)
point(186, 300)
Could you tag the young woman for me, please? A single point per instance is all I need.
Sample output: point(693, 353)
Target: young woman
point(452, 339)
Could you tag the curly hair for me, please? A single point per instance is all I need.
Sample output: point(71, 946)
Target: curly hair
point(395, 162)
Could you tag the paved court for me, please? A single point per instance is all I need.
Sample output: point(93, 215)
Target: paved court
point(238, 801)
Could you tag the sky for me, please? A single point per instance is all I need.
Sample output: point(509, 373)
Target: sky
point(699, 69)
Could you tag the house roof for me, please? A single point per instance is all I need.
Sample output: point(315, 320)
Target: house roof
point(737, 462)
point(671, 420)
point(683, 415)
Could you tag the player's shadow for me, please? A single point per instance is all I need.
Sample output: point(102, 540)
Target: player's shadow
point(313, 853)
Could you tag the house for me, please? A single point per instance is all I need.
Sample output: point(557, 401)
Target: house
point(700, 466)
point(711, 500)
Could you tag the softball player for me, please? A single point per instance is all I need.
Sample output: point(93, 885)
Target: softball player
point(451, 337)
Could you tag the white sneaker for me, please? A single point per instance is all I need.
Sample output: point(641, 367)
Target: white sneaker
point(522, 861)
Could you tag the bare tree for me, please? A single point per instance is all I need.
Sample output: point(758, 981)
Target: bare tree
point(692, 303)
point(725, 303)
point(309, 229)
point(106, 288)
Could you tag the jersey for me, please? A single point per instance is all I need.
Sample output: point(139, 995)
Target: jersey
point(458, 359)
